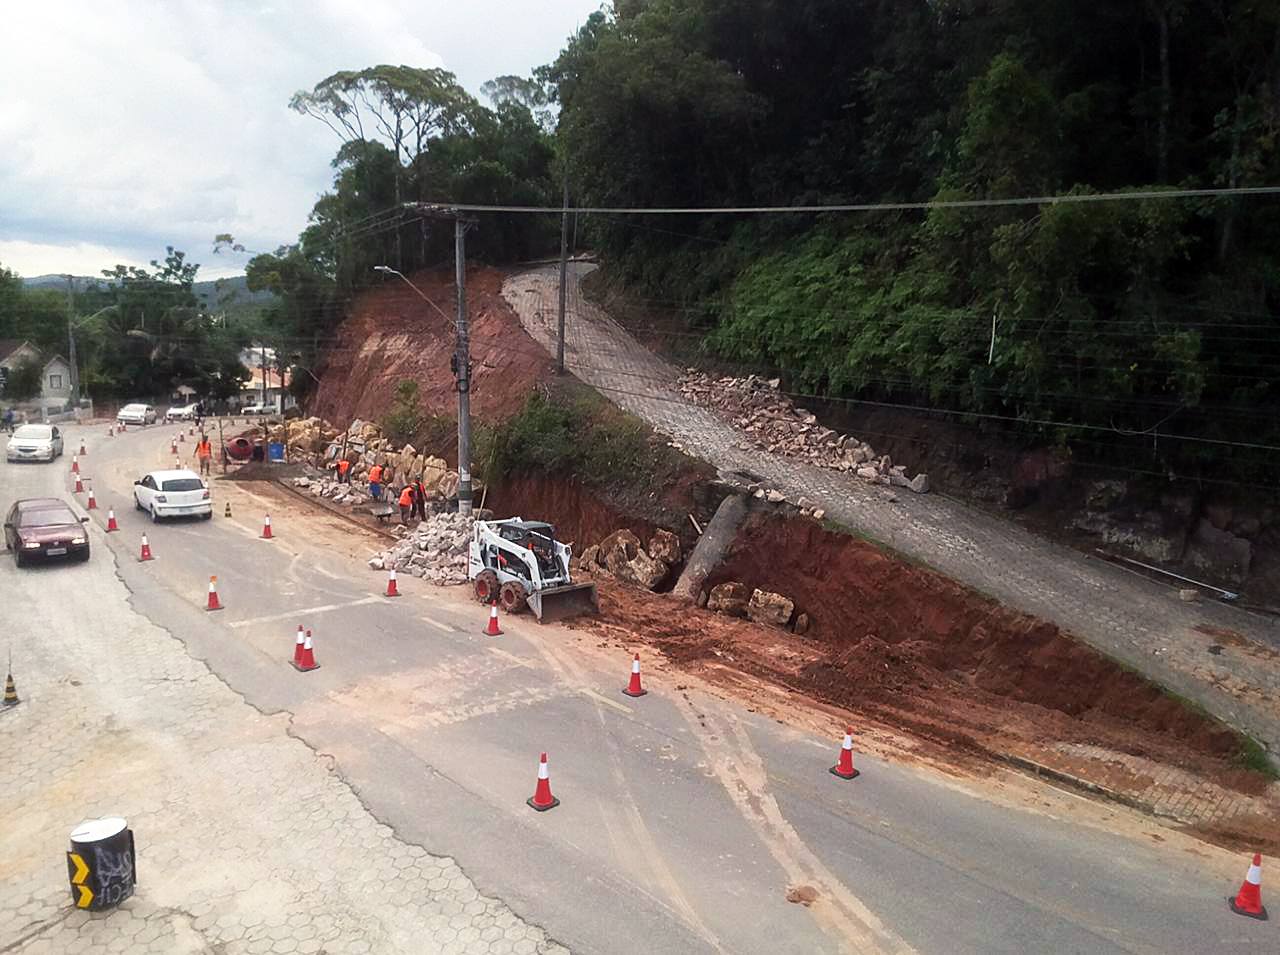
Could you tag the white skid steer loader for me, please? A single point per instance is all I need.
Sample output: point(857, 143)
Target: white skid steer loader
point(520, 563)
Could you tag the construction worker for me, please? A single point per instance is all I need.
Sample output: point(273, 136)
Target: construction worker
point(419, 500)
point(344, 471)
point(204, 453)
point(375, 482)
point(406, 503)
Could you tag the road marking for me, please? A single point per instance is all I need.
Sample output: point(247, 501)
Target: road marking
point(510, 658)
point(302, 612)
point(620, 707)
point(440, 626)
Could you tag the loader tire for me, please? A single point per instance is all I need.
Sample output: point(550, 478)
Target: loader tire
point(513, 596)
point(486, 586)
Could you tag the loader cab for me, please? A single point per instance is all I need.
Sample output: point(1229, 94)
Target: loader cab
point(538, 538)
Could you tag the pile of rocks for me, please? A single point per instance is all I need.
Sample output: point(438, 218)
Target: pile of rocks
point(759, 606)
point(332, 490)
point(436, 550)
point(622, 555)
point(771, 423)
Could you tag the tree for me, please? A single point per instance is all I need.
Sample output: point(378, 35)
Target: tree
point(23, 381)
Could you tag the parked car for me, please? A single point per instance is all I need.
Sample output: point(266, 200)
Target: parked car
point(45, 527)
point(174, 493)
point(34, 442)
point(136, 414)
point(181, 413)
point(257, 409)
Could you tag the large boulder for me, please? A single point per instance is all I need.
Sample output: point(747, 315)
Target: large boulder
point(644, 571)
point(770, 608)
point(433, 472)
point(447, 486)
point(730, 598)
point(665, 546)
point(619, 549)
point(590, 557)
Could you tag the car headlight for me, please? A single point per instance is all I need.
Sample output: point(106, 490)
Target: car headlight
point(77, 540)
point(31, 545)
point(161, 499)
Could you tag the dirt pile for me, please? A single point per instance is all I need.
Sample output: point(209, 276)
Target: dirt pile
point(393, 335)
point(771, 423)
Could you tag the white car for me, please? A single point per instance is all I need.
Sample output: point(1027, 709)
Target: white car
point(34, 442)
point(257, 408)
point(136, 414)
point(176, 493)
point(180, 413)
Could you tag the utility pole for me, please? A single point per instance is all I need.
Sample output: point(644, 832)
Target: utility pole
point(71, 344)
point(463, 371)
point(564, 266)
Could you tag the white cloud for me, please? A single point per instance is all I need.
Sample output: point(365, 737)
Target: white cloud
point(129, 125)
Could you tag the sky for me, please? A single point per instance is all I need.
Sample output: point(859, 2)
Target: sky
point(130, 125)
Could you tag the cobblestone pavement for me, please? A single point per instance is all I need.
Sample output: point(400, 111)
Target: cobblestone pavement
point(246, 842)
point(1135, 621)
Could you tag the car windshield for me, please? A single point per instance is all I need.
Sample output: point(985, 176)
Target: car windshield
point(46, 517)
point(34, 432)
point(182, 484)
point(132, 409)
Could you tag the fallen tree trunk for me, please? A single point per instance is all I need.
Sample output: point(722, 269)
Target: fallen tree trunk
point(710, 549)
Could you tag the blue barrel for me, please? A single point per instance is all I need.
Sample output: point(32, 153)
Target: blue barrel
point(275, 452)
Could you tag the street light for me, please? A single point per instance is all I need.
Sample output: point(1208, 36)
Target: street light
point(462, 374)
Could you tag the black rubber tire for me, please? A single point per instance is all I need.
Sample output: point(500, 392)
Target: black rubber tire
point(155, 518)
point(207, 517)
point(485, 586)
point(513, 597)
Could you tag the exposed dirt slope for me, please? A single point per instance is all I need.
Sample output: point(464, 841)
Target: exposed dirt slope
point(393, 335)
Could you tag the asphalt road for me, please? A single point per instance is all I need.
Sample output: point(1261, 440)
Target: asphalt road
point(685, 820)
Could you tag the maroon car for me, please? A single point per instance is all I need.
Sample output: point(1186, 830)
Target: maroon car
point(45, 527)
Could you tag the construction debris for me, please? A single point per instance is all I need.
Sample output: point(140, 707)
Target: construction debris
point(623, 556)
point(771, 423)
point(436, 550)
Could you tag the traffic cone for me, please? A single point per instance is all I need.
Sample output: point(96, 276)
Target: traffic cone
point(146, 549)
point(75, 464)
point(1248, 900)
point(10, 692)
point(182, 437)
point(542, 800)
point(493, 630)
point(111, 521)
point(634, 688)
point(392, 591)
point(227, 511)
point(79, 485)
point(266, 528)
point(92, 504)
point(297, 647)
point(177, 463)
point(123, 427)
point(307, 659)
point(213, 603)
point(111, 432)
point(844, 769)
point(83, 452)
point(173, 446)
point(191, 429)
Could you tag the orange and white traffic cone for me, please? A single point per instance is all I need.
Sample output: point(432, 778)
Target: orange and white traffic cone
point(191, 429)
point(1248, 900)
point(79, 485)
point(146, 549)
point(111, 432)
point(111, 521)
point(123, 427)
point(844, 768)
point(182, 437)
point(266, 528)
point(75, 464)
point(83, 452)
point(214, 603)
point(634, 688)
point(542, 800)
point(297, 646)
point(493, 630)
point(392, 590)
point(307, 660)
point(177, 463)
point(173, 446)
point(92, 503)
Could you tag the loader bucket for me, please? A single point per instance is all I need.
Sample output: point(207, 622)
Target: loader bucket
point(562, 603)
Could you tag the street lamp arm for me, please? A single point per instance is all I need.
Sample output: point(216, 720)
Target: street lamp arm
point(389, 270)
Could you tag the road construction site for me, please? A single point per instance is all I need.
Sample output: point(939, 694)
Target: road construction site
point(378, 802)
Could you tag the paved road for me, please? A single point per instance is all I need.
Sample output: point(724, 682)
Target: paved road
point(685, 819)
point(1126, 617)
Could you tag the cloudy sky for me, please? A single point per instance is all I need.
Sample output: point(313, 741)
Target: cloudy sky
point(129, 125)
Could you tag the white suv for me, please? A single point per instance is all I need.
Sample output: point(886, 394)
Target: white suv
point(136, 414)
point(176, 493)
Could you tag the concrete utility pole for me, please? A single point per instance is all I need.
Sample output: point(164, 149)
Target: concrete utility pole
point(564, 266)
point(463, 372)
point(71, 344)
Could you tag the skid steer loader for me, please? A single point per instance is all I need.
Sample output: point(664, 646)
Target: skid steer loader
point(520, 564)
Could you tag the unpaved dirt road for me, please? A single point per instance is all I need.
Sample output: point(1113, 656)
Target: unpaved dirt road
point(688, 823)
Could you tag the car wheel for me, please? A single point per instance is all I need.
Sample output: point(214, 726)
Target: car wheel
point(17, 558)
point(155, 518)
point(207, 516)
point(83, 558)
point(137, 505)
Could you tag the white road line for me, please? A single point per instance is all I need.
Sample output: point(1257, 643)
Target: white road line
point(440, 626)
point(510, 658)
point(620, 707)
point(303, 612)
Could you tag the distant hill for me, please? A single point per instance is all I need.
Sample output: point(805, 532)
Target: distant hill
point(229, 295)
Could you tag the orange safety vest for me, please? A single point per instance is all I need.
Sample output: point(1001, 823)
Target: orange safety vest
point(344, 466)
point(375, 474)
point(406, 497)
point(204, 449)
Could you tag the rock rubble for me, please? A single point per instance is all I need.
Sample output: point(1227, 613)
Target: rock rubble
point(436, 550)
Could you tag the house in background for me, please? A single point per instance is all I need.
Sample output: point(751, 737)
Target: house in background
point(277, 390)
point(55, 374)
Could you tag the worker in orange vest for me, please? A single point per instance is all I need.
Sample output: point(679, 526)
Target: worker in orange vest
point(204, 453)
point(375, 482)
point(406, 503)
point(344, 471)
